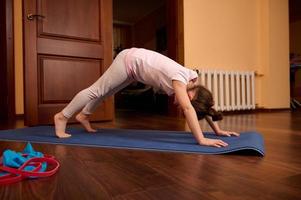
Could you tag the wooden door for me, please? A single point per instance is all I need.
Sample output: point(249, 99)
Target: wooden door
point(67, 46)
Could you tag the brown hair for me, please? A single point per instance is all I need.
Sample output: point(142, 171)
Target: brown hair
point(203, 102)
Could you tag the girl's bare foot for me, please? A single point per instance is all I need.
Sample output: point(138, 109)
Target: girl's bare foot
point(60, 122)
point(84, 120)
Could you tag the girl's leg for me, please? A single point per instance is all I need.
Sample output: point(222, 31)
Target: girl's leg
point(114, 79)
point(83, 116)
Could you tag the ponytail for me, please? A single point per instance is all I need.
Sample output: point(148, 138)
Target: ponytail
point(216, 116)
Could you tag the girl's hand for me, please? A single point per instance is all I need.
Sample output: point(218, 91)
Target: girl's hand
point(213, 142)
point(226, 133)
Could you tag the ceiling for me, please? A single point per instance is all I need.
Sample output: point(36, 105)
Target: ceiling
point(131, 11)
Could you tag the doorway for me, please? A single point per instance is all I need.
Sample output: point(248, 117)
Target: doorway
point(154, 25)
point(295, 52)
point(163, 41)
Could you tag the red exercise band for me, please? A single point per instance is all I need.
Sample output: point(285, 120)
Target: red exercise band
point(19, 174)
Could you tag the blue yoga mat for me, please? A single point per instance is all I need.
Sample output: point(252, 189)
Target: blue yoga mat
point(171, 141)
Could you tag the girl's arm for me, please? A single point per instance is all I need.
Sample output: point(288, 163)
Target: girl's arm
point(215, 127)
point(191, 117)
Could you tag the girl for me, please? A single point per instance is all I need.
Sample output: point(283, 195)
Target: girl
point(153, 69)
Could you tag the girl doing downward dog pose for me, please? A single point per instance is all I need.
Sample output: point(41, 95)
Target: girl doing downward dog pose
point(153, 69)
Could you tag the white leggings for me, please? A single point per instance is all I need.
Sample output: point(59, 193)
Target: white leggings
point(114, 79)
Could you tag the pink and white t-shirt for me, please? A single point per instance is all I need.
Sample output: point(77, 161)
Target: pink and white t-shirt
point(157, 70)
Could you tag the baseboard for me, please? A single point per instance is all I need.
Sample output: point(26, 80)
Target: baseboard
point(272, 109)
point(257, 110)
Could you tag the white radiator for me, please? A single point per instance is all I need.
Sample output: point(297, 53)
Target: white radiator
point(232, 90)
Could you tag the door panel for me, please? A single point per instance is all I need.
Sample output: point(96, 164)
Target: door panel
point(65, 52)
point(80, 22)
point(57, 73)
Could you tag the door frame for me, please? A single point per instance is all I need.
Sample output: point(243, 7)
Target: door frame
point(175, 30)
point(7, 76)
point(175, 42)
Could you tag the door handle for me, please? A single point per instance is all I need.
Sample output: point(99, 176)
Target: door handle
point(32, 16)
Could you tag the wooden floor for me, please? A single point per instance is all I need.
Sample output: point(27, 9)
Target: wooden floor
point(100, 173)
